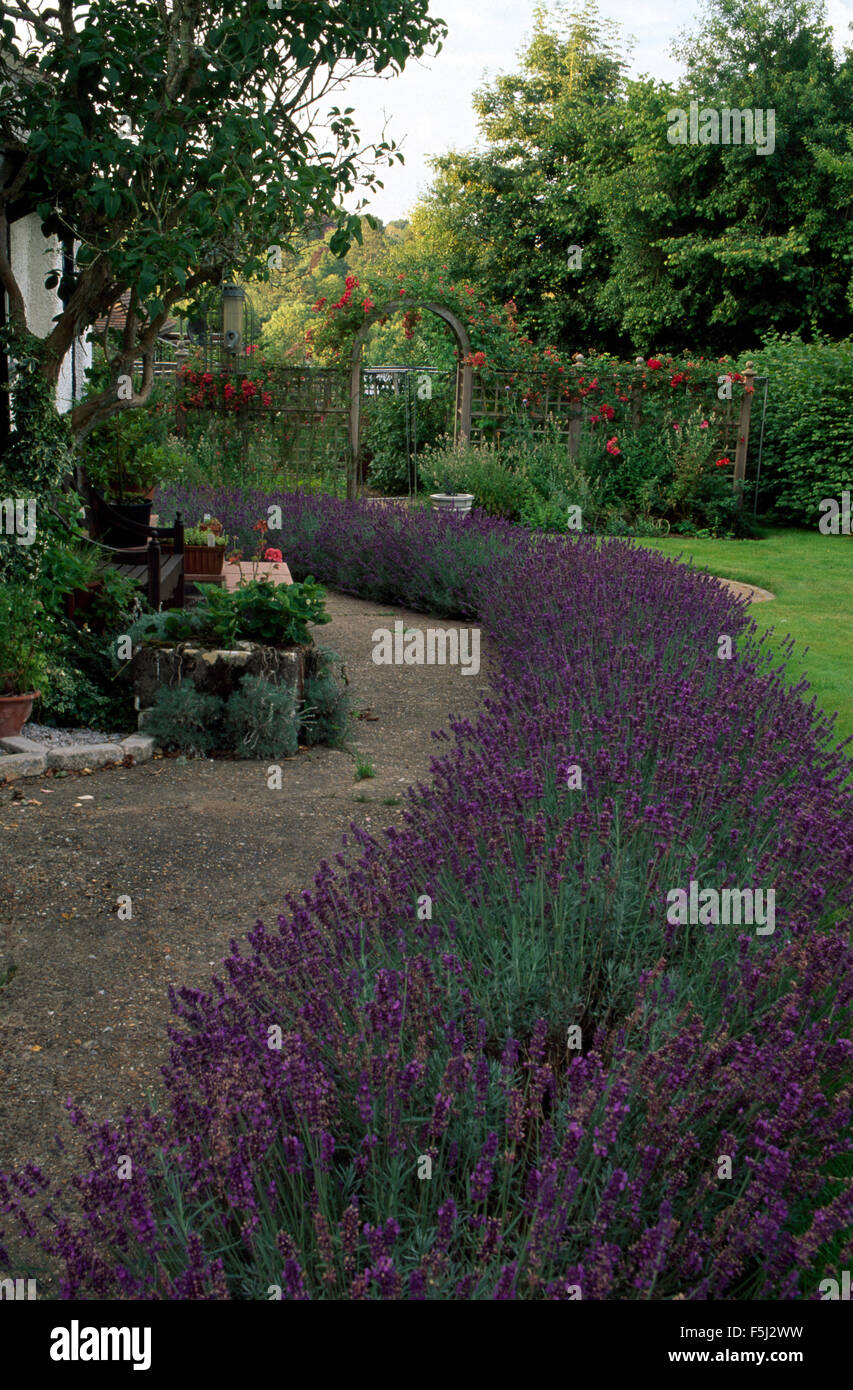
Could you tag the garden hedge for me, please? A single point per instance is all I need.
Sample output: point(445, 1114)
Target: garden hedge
point(475, 1061)
point(808, 432)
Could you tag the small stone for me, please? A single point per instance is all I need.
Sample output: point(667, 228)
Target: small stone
point(139, 746)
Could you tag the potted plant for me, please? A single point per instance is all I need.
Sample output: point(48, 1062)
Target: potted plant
point(204, 548)
point(23, 664)
point(447, 500)
point(125, 460)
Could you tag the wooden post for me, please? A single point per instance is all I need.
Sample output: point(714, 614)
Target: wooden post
point(154, 572)
point(467, 399)
point(575, 428)
point(354, 427)
point(637, 395)
point(179, 550)
point(743, 432)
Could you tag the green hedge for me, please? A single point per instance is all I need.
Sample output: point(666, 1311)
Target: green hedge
point(808, 432)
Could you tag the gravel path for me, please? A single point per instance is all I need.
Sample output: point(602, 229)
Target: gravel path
point(203, 848)
point(65, 738)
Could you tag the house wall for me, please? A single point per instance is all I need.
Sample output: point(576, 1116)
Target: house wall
point(32, 258)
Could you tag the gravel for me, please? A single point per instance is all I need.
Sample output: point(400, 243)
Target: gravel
point(64, 738)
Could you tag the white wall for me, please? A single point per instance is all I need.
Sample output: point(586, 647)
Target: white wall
point(32, 258)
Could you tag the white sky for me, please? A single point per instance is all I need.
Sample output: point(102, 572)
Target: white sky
point(429, 108)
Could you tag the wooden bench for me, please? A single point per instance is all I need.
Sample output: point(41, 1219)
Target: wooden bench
point(161, 575)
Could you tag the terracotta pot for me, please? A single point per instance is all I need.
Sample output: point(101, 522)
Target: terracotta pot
point(15, 710)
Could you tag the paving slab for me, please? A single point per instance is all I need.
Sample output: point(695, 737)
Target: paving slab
point(78, 756)
point(22, 764)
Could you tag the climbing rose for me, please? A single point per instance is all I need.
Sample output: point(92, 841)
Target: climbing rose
point(654, 363)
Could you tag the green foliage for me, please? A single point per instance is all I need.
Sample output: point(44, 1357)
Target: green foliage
point(198, 535)
point(83, 689)
point(397, 421)
point(23, 660)
point(178, 143)
point(325, 714)
point(261, 720)
point(130, 452)
point(695, 244)
point(274, 615)
point(808, 438)
point(655, 478)
point(185, 719)
point(498, 487)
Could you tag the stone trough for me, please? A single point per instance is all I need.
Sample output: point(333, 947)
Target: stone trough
point(215, 671)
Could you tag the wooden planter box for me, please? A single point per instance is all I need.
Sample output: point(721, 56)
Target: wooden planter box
point(200, 561)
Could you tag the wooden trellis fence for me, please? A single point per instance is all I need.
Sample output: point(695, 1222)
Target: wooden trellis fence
point(496, 400)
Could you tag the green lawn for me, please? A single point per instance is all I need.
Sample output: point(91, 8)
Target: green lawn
point(812, 578)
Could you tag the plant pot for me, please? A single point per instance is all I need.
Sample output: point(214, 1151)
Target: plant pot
point(15, 710)
point(458, 502)
point(200, 561)
point(125, 538)
point(204, 559)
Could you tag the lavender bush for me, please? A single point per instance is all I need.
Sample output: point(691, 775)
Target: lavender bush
point(476, 1061)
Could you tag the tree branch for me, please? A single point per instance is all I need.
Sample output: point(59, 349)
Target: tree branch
point(17, 307)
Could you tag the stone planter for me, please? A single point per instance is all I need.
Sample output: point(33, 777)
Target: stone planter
point(458, 502)
point(218, 672)
point(15, 710)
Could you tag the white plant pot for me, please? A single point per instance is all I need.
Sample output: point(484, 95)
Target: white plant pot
point(458, 502)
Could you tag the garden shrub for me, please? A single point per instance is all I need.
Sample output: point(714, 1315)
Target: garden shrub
point(494, 985)
point(808, 434)
point(185, 719)
point(261, 720)
point(325, 713)
point(274, 615)
point(397, 425)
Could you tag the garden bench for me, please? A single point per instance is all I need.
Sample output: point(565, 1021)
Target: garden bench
point(160, 574)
